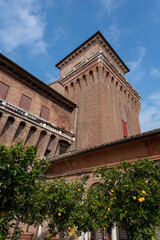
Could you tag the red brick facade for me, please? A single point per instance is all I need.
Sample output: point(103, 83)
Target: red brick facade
point(91, 112)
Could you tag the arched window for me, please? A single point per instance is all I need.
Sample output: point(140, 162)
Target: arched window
point(8, 125)
point(19, 132)
point(50, 147)
point(85, 79)
point(72, 87)
point(30, 137)
point(66, 90)
point(41, 138)
point(92, 75)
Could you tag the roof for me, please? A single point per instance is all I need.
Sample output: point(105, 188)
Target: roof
point(31, 81)
point(96, 35)
point(119, 141)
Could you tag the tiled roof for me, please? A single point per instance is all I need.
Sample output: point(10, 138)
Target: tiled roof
point(119, 141)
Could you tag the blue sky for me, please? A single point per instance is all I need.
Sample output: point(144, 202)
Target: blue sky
point(37, 34)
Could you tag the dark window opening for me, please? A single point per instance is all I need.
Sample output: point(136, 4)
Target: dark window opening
point(47, 152)
point(50, 147)
point(25, 102)
point(3, 90)
point(63, 146)
point(123, 234)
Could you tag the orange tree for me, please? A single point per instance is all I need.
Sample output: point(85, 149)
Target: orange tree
point(33, 209)
point(100, 208)
point(134, 191)
point(65, 206)
point(19, 171)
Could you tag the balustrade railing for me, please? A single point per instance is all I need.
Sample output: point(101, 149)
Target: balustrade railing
point(37, 120)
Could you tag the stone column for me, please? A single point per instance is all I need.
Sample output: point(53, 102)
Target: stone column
point(114, 233)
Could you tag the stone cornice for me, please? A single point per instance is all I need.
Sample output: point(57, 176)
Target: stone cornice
point(96, 38)
point(129, 86)
point(34, 83)
point(100, 56)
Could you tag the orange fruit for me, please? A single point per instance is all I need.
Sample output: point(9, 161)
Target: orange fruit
point(111, 195)
point(134, 198)
point(143, 192)
point(109, 209)
point(1, 214)
point(59, 214)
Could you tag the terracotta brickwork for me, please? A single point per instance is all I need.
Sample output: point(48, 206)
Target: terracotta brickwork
point(104, 97)
point(58, 115)
point(14, 128)
point(92, 99)
point(89, 118)
point(26, 113)
point(76, 164)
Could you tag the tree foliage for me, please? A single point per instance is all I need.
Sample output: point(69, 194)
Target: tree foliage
point(20, 171)
point(132, 192)
point(129, 196)
point(65, 206)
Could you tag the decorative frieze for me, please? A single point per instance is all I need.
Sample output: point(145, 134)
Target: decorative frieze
point(35, 119)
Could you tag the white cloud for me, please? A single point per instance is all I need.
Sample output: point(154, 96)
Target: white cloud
point(155, 98)
point(21, 24)
point(150, 114)
point(113, 34)
point(155, 72)
point(58, 33)
point(110, 5)
point(154, 13)
point(50, 78)
point(136, 66)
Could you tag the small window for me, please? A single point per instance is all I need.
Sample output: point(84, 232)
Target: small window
point(125, 131)
point(3, 90)
point(63, 146)
point(44, 113)
point(123, 234)
point(25, 102)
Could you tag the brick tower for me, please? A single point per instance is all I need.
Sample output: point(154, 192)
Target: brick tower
point(93, 76)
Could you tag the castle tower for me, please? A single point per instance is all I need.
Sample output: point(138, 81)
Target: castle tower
point(93, 76)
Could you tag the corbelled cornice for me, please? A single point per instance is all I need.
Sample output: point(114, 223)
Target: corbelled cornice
point(96, 38)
